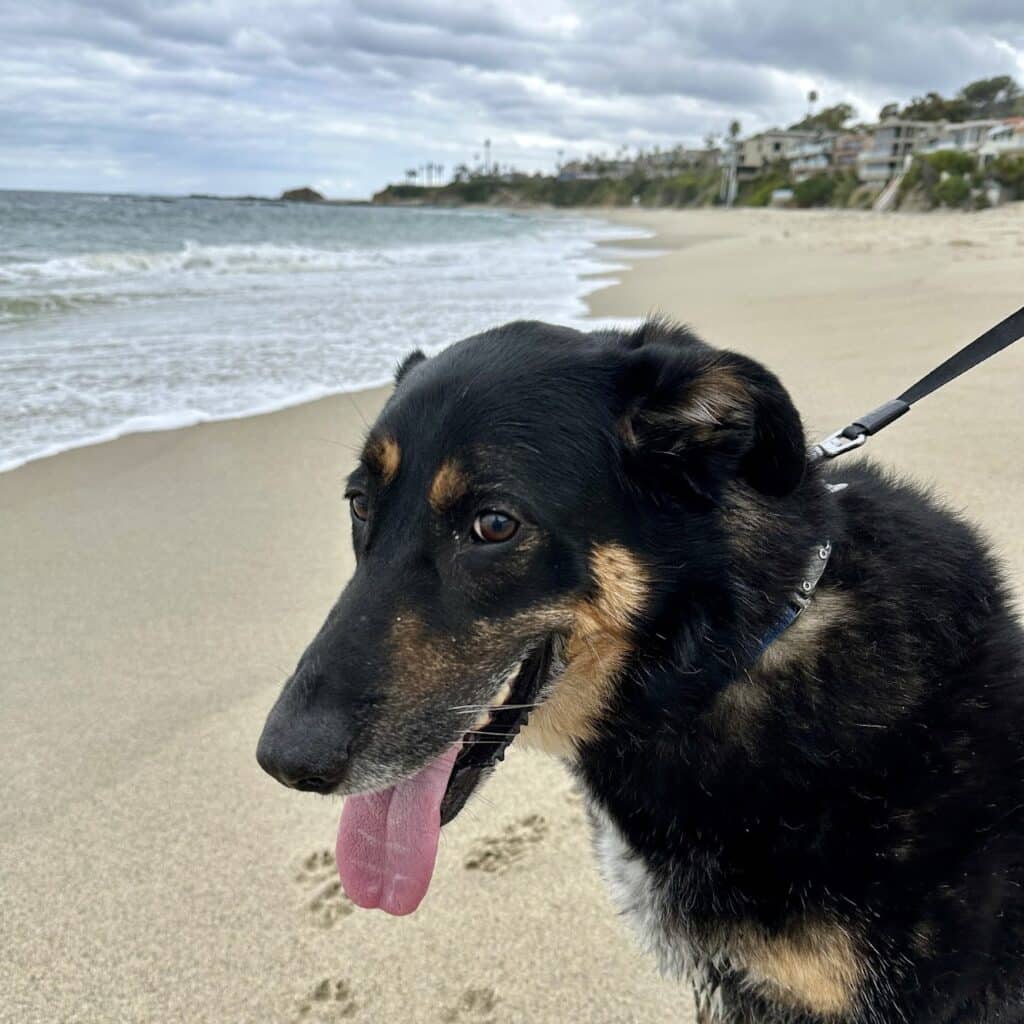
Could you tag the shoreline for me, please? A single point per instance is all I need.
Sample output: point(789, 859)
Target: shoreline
point(667, 231)
point(588, 281)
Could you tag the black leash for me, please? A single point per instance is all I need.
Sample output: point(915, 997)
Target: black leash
point(992, 341)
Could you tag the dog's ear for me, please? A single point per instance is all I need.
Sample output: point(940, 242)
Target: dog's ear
point(414, 358)
point(697, 418)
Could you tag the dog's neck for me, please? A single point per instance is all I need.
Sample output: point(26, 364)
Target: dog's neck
point(702, 671)
point(770, 553)
point(708, 625)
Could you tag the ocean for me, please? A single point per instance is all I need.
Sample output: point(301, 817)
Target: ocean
point(129, 313)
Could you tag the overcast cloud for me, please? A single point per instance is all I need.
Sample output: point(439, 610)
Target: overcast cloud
point(236, 96)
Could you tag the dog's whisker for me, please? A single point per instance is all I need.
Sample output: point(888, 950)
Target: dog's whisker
point(475, 708)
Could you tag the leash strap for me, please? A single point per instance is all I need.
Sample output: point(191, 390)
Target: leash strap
point(992, 341)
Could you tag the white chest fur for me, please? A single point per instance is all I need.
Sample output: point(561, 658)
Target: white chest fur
point(643, 902)
point(810, 965)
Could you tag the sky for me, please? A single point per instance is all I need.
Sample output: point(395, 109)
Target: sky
point(252, 97)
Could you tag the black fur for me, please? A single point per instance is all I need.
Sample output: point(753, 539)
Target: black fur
point(878, 781)
point(410, 362)
point(885, 785)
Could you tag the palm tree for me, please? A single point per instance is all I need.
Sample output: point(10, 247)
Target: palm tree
point(812, 98)
point(730, 172)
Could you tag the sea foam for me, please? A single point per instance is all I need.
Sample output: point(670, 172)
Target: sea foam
point(229, 311)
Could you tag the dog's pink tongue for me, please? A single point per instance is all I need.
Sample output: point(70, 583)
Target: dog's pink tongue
point(387, 841)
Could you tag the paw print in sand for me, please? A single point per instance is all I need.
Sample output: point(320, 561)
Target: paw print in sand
point(477, 1005)
point(330, 1001)
point(324, 898)
point(498, 853)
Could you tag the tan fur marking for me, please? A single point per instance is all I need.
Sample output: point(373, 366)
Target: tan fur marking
point(738, 711)
point(714, 398)
point(596, 651)
point(449, 484)
point(423, 663)
point(812, 965)
point(426, 663)
point(738, 708)
point(626, 432)
point(802, 641)
point(384, 456)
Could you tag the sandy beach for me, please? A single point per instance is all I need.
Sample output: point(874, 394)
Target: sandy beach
point(156, 590)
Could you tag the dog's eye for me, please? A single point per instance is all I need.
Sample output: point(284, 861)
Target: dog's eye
point(360, 506)
point(493, 527)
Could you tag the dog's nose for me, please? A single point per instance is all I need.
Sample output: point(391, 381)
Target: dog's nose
point(292, 768)
point(310, 759)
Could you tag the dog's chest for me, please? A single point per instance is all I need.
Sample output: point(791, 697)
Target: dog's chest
point(649, 906)
point(808, 969)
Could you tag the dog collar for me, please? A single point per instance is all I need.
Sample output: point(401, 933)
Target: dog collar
point(800, 598)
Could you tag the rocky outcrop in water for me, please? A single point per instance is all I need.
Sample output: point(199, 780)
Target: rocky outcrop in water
point(302, 195)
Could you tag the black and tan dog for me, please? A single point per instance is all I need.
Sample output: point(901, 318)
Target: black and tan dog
point(609, 535)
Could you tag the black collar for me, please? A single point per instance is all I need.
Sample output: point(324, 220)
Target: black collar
point(800, 598)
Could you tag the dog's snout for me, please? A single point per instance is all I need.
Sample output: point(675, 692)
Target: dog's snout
point(304, 746)
point(290, 766)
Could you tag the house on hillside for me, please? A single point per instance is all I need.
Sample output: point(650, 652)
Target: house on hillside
point(577, 170)
point(893, 142)
point(967, 136)
point(669, 162)
point(651, 164)
point(1005, 137)
point(848, 146)
point(765, 148)
point(829, 151)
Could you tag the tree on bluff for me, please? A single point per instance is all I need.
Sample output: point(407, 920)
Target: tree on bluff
point(999, 96)
point(830, 119)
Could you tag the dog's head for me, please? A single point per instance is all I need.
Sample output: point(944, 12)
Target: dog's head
point(507, 517)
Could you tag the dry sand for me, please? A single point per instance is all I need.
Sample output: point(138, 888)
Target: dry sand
point(154, 592)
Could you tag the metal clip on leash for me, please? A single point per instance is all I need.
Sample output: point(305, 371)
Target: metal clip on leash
point(856, 434)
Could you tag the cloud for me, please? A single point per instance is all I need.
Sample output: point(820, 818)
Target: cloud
point(232, 96)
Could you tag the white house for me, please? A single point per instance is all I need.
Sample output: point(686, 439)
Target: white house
point(967, 136)
point(893, 142)
point(1005, 137)
point(828, 151)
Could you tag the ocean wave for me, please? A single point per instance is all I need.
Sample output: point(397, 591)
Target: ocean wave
point(194, 258)
point(14, 309)
point(68, 284)
point(191, 258)
point(102, 344)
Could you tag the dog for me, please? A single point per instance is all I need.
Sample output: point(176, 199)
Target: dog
point(792, 695)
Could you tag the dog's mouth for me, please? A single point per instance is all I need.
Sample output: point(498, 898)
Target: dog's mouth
point(387, 840)
point(484, 746)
